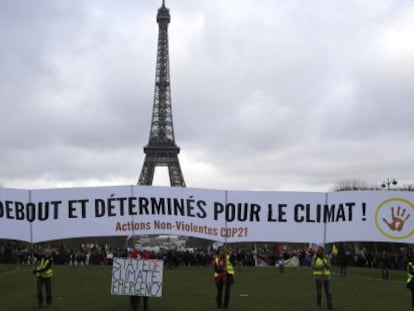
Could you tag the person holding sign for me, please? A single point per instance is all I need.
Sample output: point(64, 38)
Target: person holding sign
point(137, 252)
point(321, 265)
point(44, 273)
point(223, 276)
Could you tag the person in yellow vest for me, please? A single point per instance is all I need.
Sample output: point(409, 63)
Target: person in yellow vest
point(321, 265)
point(44, 273)
point(223, 276)
point(410, 279)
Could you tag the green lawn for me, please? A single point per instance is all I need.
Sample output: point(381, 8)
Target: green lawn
point(88, 288)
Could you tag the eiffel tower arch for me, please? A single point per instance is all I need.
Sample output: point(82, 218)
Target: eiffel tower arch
point(161, 149)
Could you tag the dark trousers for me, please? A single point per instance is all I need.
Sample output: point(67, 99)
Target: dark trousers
point(325, 283)
point(343, 271)
point(226, 286)
point(47, 284)
point(385, 273)
point(412, 297)
point(134, 302)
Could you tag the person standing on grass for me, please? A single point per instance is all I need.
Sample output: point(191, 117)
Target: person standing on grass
point(280, 263)
point(385, 265)
point(410, 279)
point(321, 265)
point(342, 261)
point(223, 276)
point(44, 273)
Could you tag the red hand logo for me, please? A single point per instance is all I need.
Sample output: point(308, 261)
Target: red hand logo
point(397, 220)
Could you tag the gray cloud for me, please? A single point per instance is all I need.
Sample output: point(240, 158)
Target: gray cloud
point(272, 95)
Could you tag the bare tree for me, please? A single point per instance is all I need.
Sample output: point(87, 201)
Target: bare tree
point(351, 185)
point(356, 184)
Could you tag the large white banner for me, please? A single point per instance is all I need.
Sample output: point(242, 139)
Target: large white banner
point(226, 216)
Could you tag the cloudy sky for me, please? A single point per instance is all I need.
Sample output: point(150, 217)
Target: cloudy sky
point(266, 95)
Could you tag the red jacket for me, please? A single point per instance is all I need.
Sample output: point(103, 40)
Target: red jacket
point(220, 266)
point(140, 255)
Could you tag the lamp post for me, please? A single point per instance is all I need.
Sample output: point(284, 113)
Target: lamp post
point(388, 183)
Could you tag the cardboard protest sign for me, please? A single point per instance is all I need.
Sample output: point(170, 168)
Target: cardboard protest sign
point(137, 277)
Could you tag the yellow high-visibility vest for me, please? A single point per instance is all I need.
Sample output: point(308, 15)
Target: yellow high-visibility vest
point(410, 268)
point(43, 264)
point(318, 271)
point(229, 266)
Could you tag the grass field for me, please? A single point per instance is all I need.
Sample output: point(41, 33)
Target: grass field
point(88, 288)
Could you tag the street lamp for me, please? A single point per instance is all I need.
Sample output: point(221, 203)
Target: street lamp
point(388, 183)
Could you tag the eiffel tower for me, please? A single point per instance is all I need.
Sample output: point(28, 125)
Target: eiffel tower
point(161, 149)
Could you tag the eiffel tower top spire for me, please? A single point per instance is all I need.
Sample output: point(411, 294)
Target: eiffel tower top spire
point(161, 149)
point(163, 13)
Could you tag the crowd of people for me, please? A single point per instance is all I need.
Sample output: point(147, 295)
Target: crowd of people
point(93, 254)
point(223, 260)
